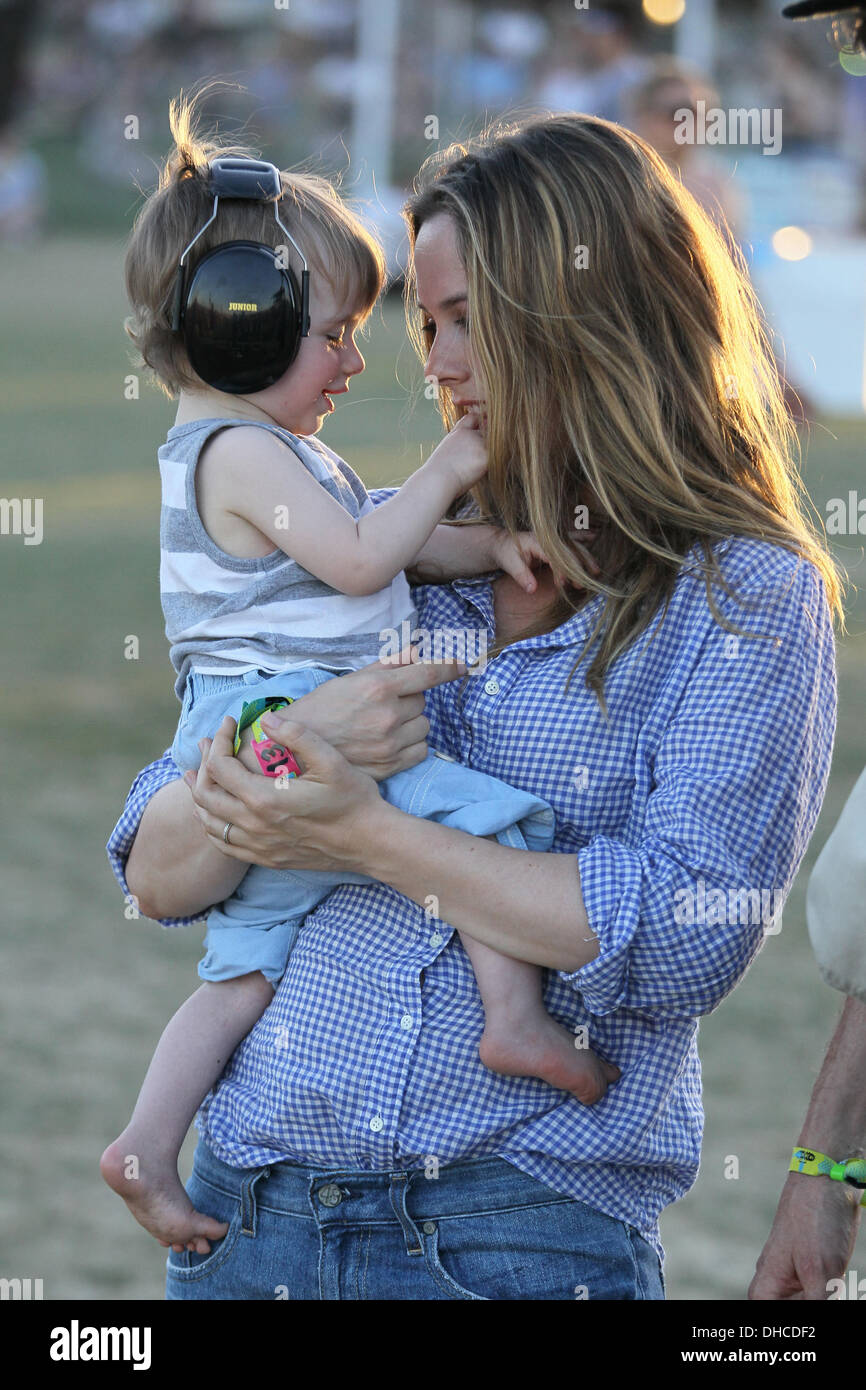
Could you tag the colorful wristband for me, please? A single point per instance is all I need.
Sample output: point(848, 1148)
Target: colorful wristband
point(850, 1170)
point(273, 759)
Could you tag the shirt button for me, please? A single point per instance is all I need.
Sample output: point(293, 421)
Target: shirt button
point(330, 1195)
point(406, 1022)
point(491, 687)
point(429, 1228)
point(377, 1123)
point(436, 939)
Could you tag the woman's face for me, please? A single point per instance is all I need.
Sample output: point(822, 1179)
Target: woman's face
point(441, 286)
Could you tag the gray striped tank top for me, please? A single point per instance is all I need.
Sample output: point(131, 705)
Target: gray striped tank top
point(226, 615)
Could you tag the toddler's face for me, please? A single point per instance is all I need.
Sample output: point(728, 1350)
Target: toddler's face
point(326, 359)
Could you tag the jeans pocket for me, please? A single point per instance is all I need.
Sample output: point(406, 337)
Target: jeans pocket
point(649, 1278)
point(186, 1265)
point(439, 1273)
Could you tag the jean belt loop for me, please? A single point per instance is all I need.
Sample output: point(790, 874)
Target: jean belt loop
point(248, 1200)
point(397, 1193)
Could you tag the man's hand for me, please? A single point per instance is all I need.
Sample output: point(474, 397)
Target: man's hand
point(811, 1242)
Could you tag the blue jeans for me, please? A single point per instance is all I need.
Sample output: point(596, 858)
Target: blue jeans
point(481, 1229)
point(256, 928)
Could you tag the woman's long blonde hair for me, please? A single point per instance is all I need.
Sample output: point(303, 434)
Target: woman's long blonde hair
point(626, 368)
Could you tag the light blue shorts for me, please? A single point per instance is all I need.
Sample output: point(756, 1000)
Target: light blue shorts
point(256, 928)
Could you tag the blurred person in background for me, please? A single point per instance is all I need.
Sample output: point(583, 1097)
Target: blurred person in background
point(593, 63)
point(497, 67)
point(653, 106)
point(22, 189)
point(817, 1219)
point(656, 105)
point(806, 92)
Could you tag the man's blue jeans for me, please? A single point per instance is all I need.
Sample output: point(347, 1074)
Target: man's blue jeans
point(481, 1229)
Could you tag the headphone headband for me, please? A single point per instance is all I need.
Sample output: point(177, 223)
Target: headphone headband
point(252, 179)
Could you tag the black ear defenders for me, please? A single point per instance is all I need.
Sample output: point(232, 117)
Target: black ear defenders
point(242, 313)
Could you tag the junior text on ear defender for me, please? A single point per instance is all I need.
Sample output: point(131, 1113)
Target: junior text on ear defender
point(242, 314)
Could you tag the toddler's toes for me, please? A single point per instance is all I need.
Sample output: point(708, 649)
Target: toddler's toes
point(206, 1229)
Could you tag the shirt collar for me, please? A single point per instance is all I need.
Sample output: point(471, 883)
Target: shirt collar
point(479, 593)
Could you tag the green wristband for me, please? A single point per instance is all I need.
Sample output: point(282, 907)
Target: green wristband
point(850, 1170)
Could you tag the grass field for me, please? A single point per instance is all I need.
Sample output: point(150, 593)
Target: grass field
point(86, 992)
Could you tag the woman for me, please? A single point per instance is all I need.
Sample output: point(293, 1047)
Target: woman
point(672, 696)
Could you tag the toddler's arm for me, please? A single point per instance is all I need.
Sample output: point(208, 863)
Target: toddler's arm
point(251, 474)
point(456, 551)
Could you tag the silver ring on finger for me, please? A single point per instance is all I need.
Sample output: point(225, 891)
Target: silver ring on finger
point(226, 831)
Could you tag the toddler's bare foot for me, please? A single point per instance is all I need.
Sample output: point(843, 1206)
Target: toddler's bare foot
point(157, 1199)
point(539, 1046)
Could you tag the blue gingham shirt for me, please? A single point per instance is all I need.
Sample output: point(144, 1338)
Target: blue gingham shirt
point(704, 787)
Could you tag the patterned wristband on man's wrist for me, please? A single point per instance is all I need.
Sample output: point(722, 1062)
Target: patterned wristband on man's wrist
point(851, 1170)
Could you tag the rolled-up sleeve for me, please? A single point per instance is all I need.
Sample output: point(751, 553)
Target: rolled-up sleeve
point(146, 785)
point(736, 784)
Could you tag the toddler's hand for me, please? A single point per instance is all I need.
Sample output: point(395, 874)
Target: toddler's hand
point(517, 555)
point(462, 454)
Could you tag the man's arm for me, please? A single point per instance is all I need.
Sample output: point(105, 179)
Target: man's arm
point(817, 1218)
point(836, 897)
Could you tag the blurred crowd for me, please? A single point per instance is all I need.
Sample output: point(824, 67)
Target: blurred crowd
point(85, 66)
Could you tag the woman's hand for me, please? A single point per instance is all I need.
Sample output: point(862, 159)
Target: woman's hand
point(316, 821)
point(375, 716)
